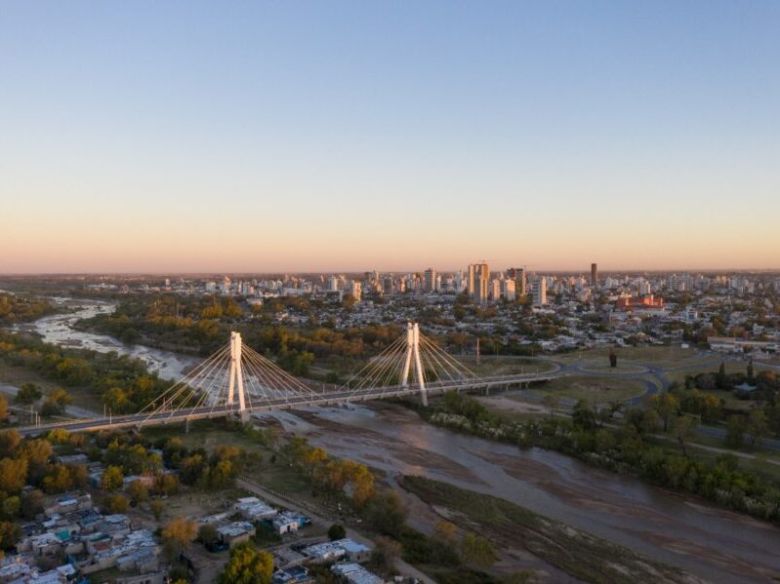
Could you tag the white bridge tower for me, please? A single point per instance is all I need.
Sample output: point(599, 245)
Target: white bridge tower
point(413, 354)
point(236, 380)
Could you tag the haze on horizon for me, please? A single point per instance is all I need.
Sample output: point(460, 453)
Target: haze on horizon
point(347, 136)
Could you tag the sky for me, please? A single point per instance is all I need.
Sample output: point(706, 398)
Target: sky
point(337, 136)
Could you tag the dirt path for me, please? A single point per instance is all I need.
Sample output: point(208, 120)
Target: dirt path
point(315, 515)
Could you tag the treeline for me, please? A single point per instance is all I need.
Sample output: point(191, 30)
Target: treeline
point(626, 449)
point(766, 383)
point(15, 308)
point(205, 324)
point(123, 383)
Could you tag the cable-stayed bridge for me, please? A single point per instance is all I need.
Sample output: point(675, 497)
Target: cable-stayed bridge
point(238, 381)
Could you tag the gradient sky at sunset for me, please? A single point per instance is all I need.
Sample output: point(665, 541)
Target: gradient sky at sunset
point(330, 135)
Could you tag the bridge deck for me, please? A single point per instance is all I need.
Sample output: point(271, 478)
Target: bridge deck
point(294, 401)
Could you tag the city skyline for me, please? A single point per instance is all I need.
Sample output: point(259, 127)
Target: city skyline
point(330, 138)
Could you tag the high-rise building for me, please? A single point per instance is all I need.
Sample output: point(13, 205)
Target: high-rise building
point(470, 289)
point(356, 290)
point(430, 280)
point(521, 283)
point(594, 275)
point(540, 291)
point(495, 289)
point(509, 290)
point(479, 278)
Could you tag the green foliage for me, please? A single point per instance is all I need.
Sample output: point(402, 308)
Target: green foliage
point(336, 531)
point(627, 450)
point(103, 373)
point(386, 514)
point(28, 393)
point(478, 551)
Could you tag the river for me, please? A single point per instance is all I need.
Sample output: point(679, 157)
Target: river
point(58, 329)
point(712, 543)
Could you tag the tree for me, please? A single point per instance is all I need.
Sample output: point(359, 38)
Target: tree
point(583, 415)
point(478, 551)
point(683, 429)
point(37, 452)
point(362, 481)
point(757, 426)
point(208, 535)
point(9, 535)
point(178, 534)
point(721, 381)
point(387, 514)
point(735, 431)
point(32, 503)
point(13, 474)
point(666, 406)
point(336, 531)
point(385, 554)
point(112, 479)
point(56, 402)
point(247, 565)
point(9, 442)
point(157, 507)
point(3, 407)
point(445, 531)
point(28, 393)
point(138, 491)
point(117, 503)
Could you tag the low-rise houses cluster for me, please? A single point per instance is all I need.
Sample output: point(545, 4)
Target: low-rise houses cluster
point(76, 540)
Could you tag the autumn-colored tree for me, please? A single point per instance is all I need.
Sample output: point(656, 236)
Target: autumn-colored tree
point(58, 436)
point(362, 481)
point(112, 479)
point(178, 534)
point(58, 479)
point(166, 484)
point(138, 491)
point(37, 452)
point(13, 474)
point(116, 503)
point(247, 565)
point(9, 442)
point(445, 531)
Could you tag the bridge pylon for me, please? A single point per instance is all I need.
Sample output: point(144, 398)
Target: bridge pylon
point(236, 375)
point(413, 357)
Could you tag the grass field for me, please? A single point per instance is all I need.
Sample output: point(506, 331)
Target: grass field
point(594, 390)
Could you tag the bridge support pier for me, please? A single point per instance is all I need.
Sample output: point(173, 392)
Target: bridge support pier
point(413, 356)
point(236, 379)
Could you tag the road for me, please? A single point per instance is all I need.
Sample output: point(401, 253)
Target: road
point(324, 398)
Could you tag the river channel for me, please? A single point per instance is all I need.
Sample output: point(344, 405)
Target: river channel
point(714, 544)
